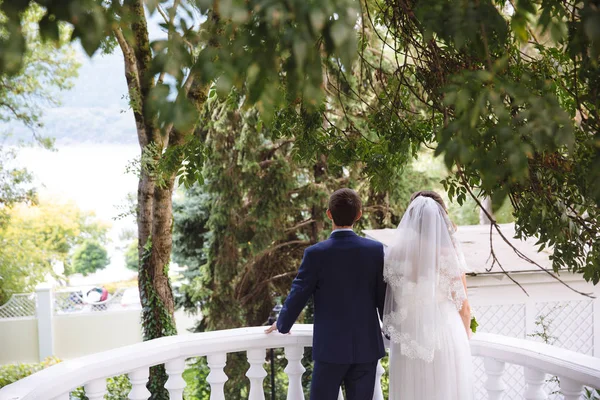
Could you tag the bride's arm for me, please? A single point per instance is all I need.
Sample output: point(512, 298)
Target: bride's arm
point(465, 311)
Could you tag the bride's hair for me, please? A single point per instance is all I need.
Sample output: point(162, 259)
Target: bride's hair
point(435, 196)
point(431, 194)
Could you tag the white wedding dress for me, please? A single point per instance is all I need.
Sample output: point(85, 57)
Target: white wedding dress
point(430, 356)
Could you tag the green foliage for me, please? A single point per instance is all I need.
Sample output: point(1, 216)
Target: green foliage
point(543, 324)
point(131, 256)
point(117, 387)
point(43, 69)
point(591, 394)
point(11, 373)
point(88, 17)
point(39, 237)
point(473, 325)
point(157, 322)
point(190, 240)
point(15, 184)
point(89, 257)
point(507, 92)
point(195, 378)
point(255, 43)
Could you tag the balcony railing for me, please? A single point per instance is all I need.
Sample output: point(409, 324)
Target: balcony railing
point(539, 360)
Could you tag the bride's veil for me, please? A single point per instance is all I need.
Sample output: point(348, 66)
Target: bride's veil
point(423, 267)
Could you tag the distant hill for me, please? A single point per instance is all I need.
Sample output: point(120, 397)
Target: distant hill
point(73, 125)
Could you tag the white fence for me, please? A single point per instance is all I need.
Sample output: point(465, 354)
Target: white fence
point(19, 306)
point(63, 324)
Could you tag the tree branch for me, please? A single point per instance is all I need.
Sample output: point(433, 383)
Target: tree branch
point(494, 224)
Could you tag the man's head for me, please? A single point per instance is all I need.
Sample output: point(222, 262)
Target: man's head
point(345, 207)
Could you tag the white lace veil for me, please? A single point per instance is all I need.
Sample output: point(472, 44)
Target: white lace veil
point(423, 267)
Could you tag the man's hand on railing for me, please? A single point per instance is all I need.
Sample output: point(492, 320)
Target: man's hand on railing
point(272, 328)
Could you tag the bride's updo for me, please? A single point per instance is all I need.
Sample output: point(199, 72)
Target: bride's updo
point(431, 194)
point(438, 199)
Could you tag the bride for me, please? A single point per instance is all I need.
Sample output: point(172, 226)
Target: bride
point(427, 314)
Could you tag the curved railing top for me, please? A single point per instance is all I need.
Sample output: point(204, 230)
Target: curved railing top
point(536, 355)
point(68, 375)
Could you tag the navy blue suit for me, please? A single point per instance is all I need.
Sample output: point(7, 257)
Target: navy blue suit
point(345, 276)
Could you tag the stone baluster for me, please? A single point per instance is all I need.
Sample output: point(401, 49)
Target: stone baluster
point(570, 389)
point(256, 373)
point(378, 393)
point(96, 389)
point(294, 371)
point(175, 384)
point(139, 379)
point(217, 377)
point(534, 384)
point(494, 384)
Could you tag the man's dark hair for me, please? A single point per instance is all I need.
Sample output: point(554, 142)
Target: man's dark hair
point(344, 205)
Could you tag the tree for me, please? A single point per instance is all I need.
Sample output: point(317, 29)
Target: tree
point(89, 257)
point(131, 256)
point(40, 238)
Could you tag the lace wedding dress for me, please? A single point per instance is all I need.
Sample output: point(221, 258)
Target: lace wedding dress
point(430, 357)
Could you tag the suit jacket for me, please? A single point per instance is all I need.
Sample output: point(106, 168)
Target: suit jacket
point(345, 275)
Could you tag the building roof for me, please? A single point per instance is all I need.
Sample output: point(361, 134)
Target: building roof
point(475, 242)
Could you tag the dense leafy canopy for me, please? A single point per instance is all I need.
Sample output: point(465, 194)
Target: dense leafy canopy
point(506, 92)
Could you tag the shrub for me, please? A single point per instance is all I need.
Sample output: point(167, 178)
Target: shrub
point(13, 372)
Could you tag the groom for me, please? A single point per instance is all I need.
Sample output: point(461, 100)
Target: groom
point(345, 275)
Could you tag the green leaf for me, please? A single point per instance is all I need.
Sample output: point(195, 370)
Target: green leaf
point(474, 325)
point(49, 28)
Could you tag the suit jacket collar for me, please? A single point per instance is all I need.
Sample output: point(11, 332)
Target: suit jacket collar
point(342, 234)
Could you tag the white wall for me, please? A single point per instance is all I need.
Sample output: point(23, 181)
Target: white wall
point(18, 341)
point(76, 335)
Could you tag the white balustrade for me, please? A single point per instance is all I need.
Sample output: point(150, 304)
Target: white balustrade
point(378, 394)
point(294, 371)
point(217, 377)
point(139, 379)
point(96, 389)
point(256, 373)
point(538, 359)
point(570, 389)
point(534, 384)
point(494, 384)
point(175, 384)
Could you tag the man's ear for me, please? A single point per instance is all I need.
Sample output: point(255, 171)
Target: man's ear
point(329, 214)
point(358, 215)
